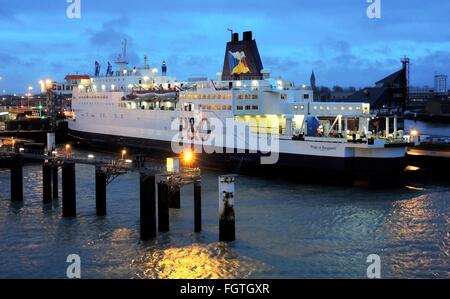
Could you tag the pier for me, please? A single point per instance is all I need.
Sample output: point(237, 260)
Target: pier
point(160, 188)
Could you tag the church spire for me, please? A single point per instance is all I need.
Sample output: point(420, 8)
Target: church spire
point(312, 81)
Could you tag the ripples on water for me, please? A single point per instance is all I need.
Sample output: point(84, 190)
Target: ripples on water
point(284, 230)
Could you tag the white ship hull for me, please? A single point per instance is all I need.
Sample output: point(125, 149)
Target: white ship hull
point(103, 121)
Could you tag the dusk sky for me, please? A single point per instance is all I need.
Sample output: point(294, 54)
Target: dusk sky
point(335, 38)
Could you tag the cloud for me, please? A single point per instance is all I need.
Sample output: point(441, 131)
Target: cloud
point(111, 34)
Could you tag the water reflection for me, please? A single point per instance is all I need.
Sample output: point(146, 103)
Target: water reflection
point(197, 261)
point(285, 230)
point(419, 244)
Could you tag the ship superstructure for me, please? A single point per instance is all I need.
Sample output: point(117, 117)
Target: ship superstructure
point(148, 110)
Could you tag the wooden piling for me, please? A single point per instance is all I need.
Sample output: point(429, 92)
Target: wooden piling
point(226, 209)
point(197, 206)
point(55, 188)
point(46, 182)
point(147, 207)
point(100, 191)
point(17, 178)
point(69, 190)
point(163, 207)
point(175, 198)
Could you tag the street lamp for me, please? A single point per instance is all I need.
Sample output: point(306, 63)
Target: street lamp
point(30, 88)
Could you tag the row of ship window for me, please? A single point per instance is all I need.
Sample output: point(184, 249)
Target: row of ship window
point(247, 107)
point(206, 96)
point(350, 108)
point(93, 97)
point(215, 107)
point(219, 96)
point(228, 107)
point(101, 115)
point(96, 103)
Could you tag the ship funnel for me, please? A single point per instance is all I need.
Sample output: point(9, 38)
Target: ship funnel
point(235, 38)
point(164, 69)
point(242, 60)
point(248, 36)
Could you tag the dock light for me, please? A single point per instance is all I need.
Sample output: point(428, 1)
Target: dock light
point(54, 153)
point(21, 150)
point(414, 133)
point(188, 157)
point(129, 161)
point(68, 148)
point(124, 153)
point(91, 156)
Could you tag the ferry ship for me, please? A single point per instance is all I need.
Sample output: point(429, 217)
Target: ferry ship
point(276, 124)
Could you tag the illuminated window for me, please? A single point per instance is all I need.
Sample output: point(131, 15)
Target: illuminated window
point(208, 107)
point(248, 96)
point(240, 96)
point(254, 96)
point(229, 107)
point(229, 96)
point(224, 107)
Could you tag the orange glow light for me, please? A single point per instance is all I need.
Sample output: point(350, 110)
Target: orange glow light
point(188, 156)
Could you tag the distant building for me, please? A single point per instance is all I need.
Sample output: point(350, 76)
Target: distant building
point(388, 96)
point(312, 83)
point(440, 84)
point(340, 96)
point(65, 88)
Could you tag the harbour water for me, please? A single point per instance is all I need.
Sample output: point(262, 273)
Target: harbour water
point(283, 230)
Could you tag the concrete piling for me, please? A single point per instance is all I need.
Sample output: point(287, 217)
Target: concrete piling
point(197, 206)
point(175, 197)
point(147, 207)
point(163, 207)
point(100, 191)
point(226, 209)
point(46, 182)
point(17, 178)
point(55, 188)
point(69, 190)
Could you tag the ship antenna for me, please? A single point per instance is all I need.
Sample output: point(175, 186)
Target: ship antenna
point(231, 30)
point(122, 57)
point(124, 50)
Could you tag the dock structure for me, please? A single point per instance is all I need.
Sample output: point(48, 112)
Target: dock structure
point(160, 189)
